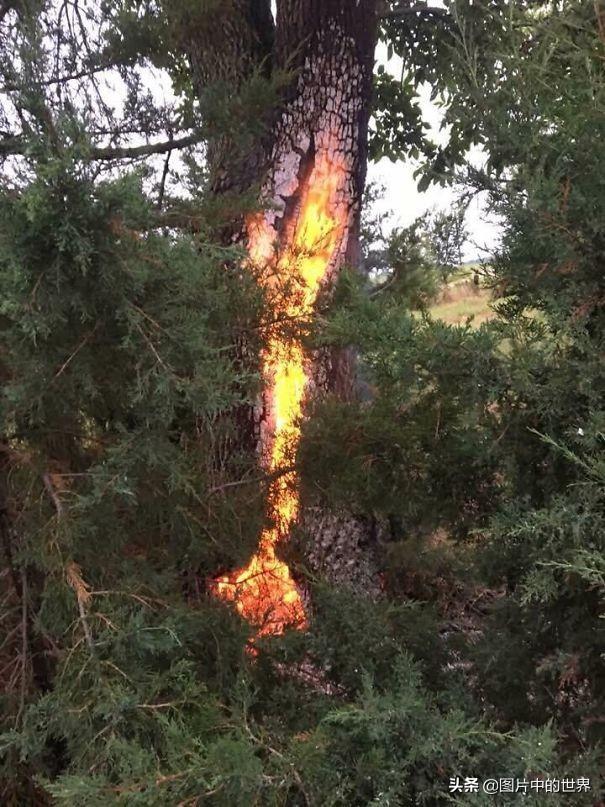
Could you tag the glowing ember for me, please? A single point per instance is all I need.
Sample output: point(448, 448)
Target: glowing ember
point(264, 592)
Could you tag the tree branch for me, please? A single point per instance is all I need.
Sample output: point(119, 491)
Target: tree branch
point(50, 489)
point(84, 73)
point(132, 152)
point(16, 145)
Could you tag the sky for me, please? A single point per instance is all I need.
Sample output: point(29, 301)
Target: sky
point(401, 197)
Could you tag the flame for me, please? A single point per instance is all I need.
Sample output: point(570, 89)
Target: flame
point(264, 592)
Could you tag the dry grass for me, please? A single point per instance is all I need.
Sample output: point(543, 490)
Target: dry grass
point(463, 300)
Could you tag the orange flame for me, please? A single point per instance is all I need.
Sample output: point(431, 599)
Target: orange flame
point(264, 592)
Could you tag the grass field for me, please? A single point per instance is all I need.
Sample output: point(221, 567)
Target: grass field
point(461, 300)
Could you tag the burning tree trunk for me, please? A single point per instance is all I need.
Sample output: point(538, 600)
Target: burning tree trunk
point(311, 170)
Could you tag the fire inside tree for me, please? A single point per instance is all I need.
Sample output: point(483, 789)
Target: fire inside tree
point(265, 592)
point(312, 172)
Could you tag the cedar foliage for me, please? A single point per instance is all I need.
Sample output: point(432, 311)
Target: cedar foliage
point(478, 453)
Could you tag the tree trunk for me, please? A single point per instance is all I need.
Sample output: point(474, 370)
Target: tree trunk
point(311, 169)
point(321, 141)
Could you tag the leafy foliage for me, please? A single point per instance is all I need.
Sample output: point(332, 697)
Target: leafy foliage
point(477, 453)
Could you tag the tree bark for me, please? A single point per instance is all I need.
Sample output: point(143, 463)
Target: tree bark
point(315, 143)
point(323, 128)
point(229, 42)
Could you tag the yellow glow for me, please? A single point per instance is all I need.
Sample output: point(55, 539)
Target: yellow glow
point(264, 591)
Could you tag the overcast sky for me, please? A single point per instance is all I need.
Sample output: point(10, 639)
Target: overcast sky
point(402, 198)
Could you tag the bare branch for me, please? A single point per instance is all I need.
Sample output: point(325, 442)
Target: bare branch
point(127, 152)
point(84, 73)
point(50, 489)
point(15, 144)
point(70, 358)
point(162, 190)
